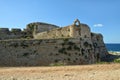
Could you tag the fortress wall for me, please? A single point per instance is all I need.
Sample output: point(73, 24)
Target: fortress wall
point(4, 30)
point(50, 32)
point(72, 31)
point(5, 33)
point(45, 27)
point(40, 27)
point(85, 31)
point(99, 46)
point(80, 31)
point(45, 52)
point(74, 44)
point(54, 33)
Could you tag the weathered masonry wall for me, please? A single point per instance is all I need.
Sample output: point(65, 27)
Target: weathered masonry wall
point(72, 31)
point(13, 34)
point(99, 46)
point(45, 52)
point(28, 32)
point(40, 27)
point(55, 33)
point(43, 44)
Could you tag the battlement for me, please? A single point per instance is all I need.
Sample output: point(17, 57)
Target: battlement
point(28, 32)
point(6, 30)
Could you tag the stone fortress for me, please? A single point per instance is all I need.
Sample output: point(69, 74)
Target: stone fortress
point(42, 44)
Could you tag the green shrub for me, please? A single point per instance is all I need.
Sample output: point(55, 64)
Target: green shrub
point(86, 56)
point(65, 40)
point(69, 54)
point(68, 59)
point(86, 44)
point(69, 48)
point(76, 48)
point(62, 50)
point(28, 37)
point(103, 62)
point(23, 44)
point(58, 64)
point(25, 54)
point(65, 52)
point(70, 43)
point(15, 45)
point(82, 51)
point(117, 60)
point(95, 44)
point(62, 44)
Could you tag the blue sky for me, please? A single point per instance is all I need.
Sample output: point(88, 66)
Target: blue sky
point(103, 16)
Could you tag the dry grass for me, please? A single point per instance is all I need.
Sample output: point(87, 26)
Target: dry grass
point(81, 72)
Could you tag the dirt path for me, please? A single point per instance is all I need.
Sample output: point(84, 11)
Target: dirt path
point(81, 72)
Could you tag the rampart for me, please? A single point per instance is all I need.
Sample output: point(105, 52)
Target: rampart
point(45, 52)
point(16, 33)
point(74, 44)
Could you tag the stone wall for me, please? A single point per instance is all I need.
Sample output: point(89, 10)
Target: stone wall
point(99, 46)
point(72, 31)
point(48, 44)
point(40, 30)
point(28, 32)
point(37, 27)
point(5, 33)
point(54, 33)
point(45, 52)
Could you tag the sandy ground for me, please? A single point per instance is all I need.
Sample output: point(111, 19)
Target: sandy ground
point(81, 72)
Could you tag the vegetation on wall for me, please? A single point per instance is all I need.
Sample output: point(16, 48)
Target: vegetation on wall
point(13, 44)
point(86, 44)
point(25, 54)
point(24, 45)
point(95, 45)
point(69, 48)
point(82, 51)
point(92, 34)
point(31, 27)
point(62, 50)
point(76, 47)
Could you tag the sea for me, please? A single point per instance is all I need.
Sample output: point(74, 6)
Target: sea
point(113, 47)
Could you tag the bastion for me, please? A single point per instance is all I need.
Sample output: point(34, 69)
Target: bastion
point(43, 44)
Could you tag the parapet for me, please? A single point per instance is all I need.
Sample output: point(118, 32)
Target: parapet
point(31, 29)
point(4, 30)
point(15, 30)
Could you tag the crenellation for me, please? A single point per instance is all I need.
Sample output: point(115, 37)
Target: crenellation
point(15, 30)
point(4, 31)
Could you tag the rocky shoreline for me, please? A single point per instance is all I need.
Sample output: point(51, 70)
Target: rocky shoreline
point(111, 56)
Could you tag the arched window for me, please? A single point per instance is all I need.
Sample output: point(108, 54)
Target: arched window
point(77, 22)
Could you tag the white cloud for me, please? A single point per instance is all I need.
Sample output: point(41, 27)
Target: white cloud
point(98, 25)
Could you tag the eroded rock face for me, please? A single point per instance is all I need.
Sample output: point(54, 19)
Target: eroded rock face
point(50, 44)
